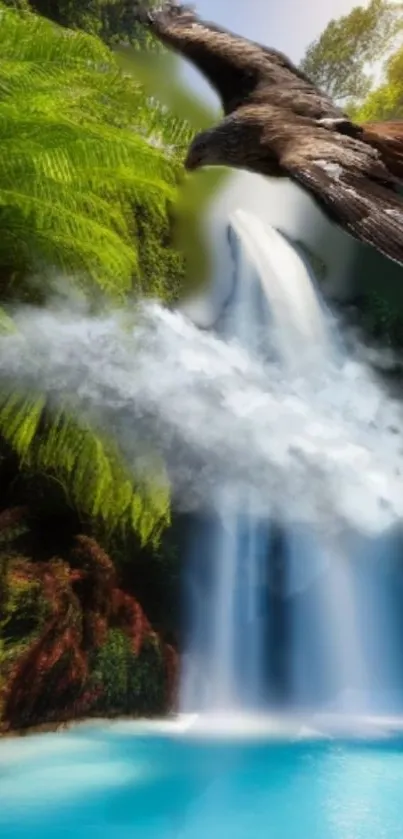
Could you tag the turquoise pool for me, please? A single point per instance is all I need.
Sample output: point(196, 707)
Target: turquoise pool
point(108, 783)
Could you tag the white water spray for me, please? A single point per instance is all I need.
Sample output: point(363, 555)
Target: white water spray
point(326, 448)
point(273, 291)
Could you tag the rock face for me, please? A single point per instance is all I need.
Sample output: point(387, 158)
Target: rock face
point(72, 642)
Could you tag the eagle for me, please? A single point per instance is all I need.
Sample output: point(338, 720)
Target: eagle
point(278, 123)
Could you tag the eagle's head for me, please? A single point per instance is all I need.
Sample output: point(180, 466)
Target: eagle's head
point(235, 142)
point(218, 146)
point(207, 149)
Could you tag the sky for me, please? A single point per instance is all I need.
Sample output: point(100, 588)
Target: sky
point(286, 25)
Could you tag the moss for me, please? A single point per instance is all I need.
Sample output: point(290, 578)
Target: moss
point(109, 672)
point(158, 257)
point(129, 683)
point(147, 680)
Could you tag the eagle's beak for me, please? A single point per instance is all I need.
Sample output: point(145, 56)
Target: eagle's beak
point(191, 162)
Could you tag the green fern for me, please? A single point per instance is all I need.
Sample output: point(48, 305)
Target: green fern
point(89, 468)
point(88, 173)
point(80, 145)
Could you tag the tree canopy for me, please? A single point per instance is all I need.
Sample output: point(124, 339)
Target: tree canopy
point(386, 101)
point(345, 59)
point(111, 20)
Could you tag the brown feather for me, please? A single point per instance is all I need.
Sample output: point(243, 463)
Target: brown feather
point(239, 69)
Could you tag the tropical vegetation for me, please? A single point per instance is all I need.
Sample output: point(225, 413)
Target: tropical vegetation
point(88, 177)
point(348, 59)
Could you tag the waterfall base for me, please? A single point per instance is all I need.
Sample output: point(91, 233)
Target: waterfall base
point(250, 727)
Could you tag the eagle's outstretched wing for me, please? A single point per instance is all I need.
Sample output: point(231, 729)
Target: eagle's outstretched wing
point(354, 187)
point(234, 66)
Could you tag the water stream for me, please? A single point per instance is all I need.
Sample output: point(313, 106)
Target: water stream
point(334, 656)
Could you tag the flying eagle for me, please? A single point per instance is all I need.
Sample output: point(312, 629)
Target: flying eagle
point(278, 123)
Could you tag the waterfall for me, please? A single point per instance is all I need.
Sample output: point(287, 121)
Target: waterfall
point(275, 434)
point(275, 311)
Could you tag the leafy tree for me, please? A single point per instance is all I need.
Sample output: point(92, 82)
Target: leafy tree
point(112, 20)
point(386, 101)
point(342, 60)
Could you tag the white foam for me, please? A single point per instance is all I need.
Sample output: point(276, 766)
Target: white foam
point(319, 444)
point(310, 725)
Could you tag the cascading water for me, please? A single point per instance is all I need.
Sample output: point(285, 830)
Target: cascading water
point(268, 424)
point(274, 309)
point(229, 652)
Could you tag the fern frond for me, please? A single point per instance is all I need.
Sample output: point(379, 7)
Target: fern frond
point(95, 480)
point(80, 145)
point(89, 165)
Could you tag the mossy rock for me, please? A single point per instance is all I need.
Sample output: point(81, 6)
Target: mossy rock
point(129, 683)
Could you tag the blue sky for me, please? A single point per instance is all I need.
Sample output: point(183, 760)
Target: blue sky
point(287, 25)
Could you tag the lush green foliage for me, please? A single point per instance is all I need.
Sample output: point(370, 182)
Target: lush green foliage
point(386, 101)
point(88, 173)
point(88, 467)
point(343, 59)
point(111, 20)
point(160, 76)
point(83, 153)
point(129, 683)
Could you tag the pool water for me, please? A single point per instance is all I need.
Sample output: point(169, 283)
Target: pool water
point(108, 782)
